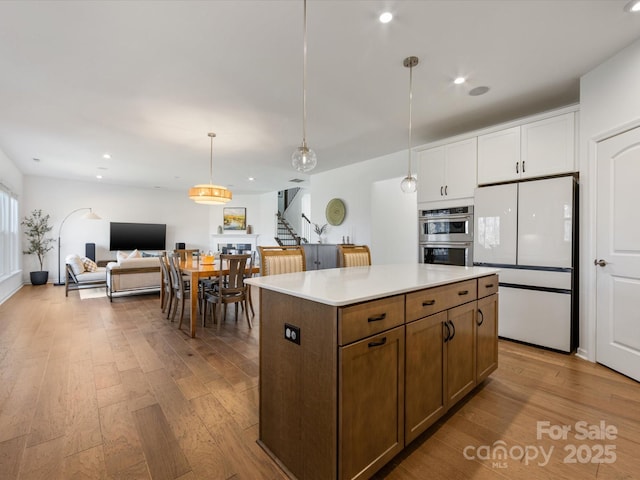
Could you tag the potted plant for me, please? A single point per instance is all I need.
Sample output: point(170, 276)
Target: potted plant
point(320, 230)
point(36, 229)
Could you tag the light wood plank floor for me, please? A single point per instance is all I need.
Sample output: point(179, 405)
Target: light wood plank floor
point(99, 390)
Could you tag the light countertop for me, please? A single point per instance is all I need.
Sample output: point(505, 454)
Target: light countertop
point(345, 286)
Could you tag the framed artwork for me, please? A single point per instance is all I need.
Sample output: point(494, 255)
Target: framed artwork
point(235, 218)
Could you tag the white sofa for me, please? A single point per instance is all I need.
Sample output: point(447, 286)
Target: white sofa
point(133, 275)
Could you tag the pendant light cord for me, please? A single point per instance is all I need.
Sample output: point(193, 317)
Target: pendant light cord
point(211, 135)
point(410, 112)
point(304, 78)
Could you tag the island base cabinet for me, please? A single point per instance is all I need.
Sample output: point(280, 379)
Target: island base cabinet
point(298, 408)
point(425, 353)
point(371, 399)
point(487, 337)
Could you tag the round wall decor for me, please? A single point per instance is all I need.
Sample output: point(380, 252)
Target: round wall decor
point(335, 211)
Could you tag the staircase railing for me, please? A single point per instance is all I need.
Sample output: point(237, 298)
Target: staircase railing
point(285, 235)
point(306, 228)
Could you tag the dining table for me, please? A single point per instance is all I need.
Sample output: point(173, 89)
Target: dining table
point(197, 270)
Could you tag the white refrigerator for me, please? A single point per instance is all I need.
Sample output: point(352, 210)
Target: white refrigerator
point(528, 230)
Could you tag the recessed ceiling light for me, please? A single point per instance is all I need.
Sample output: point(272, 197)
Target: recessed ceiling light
point(99, 177)
point(475, 92)
point(385, 17)
point(633, 6)
point(251, 179)
point(459, 80)
point(107, 156)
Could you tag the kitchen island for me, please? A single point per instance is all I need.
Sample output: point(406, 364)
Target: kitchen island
point(355, 363)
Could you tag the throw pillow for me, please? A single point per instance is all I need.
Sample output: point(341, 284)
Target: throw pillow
point(135, 254)
point(89, 265)
point(120, 255)
point(75, 262)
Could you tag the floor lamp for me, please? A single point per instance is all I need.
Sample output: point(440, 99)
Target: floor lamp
point(89, 216)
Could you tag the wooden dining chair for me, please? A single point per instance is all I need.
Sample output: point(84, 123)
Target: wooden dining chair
point(167, 297)
point(230, 289)
point(180, 291)
point(354, 255)
point(282, 259)
point(185, 254)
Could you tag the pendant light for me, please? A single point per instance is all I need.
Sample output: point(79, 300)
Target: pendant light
point(409, 183)
point(304, 159)
point(209, 194)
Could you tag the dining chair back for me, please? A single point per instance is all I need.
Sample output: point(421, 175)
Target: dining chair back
point(230, 288)
point(282, 259)
point(185, 254)
point(167, 297)
point(178, 285)
point(354, 255)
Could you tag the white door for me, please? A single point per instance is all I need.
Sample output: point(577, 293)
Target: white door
point(496, 222)
point(618, 252)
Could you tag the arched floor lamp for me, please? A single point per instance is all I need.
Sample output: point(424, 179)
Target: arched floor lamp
point(87, 216)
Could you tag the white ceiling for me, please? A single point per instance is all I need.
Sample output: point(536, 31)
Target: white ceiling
point(146, 80)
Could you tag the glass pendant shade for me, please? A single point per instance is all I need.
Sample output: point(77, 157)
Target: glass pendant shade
point(304, 159)
point(409, 184)
point(207, 193)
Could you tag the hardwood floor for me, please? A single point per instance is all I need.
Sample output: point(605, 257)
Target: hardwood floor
point(99, 390)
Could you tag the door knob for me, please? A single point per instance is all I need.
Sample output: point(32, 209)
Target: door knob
point(600, 262)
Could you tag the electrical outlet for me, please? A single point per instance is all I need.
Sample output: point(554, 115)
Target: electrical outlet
point(292, 333)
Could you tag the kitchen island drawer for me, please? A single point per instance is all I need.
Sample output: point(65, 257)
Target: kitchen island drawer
point(364, 319)
point(487, 286)
point(432, 300)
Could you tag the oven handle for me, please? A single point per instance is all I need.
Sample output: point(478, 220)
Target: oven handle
point(437, 218)
point(446, 244)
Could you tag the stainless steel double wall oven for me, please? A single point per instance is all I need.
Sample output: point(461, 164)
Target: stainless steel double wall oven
point(446, 236)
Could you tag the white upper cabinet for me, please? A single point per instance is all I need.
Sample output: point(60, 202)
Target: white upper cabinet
point(499, 156)
point(548, 146)
point(447, 172)
point(536, 149)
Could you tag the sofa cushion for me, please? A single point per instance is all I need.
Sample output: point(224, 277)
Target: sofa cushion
point(75, 262)
point(89, 265)
point(98, 275)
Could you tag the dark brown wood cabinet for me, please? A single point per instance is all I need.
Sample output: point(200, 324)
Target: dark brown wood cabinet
point(486, 337)
point(371, 399)
point(460, 344)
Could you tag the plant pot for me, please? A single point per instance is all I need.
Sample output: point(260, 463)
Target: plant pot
point(39, 278)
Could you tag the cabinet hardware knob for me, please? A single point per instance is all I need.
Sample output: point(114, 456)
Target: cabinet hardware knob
point(517, 167)
point(428, 303)
point(445, 190)
point(440, 190)
point(523, 162)
point(377, 318)
point(453, 328)
point(480, 320)
point(463, 292)
point(489, 285)
point(378, 344)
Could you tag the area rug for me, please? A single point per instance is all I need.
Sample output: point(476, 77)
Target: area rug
point(87, 293)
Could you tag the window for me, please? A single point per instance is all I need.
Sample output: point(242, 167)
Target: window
point(9, 232)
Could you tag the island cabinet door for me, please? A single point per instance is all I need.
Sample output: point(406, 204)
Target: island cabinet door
point(486, 337)
point(425, 401)
point(371, 403)
point(460, 339)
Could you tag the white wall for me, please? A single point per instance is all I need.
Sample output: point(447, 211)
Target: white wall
point(186, 221)
point(13, 179)
point(354, 185)
point(609, 104)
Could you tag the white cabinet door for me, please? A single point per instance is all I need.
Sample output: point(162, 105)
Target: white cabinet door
point(447, 172)
point(431, 174)
point(548, 146)
point(545, 222)
point(499, 156)
point(496, 221)
point(460, 169)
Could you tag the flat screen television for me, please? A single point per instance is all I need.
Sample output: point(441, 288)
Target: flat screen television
point(143, 236)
